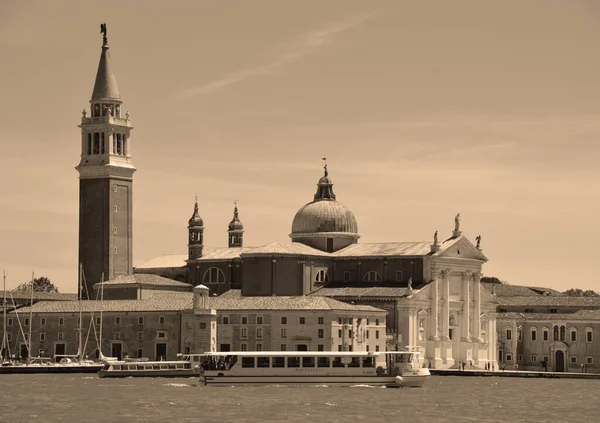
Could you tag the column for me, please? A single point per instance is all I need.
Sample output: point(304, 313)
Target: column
point(466, 307)
point(446, 305)
point(434, 316)
point(476, 332)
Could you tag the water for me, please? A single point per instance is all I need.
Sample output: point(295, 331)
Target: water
point(86, 398)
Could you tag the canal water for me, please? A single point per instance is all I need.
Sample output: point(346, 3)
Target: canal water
point(86, 398)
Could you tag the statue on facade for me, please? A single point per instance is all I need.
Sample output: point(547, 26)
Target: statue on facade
point(103, 32)
point(478, 239)
point(435, 238)
point(108, 110)
point(457, 222)
point(410, 283)
point(84, 113)
point(127, 115)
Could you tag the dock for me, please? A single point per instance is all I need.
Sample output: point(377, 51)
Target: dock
point(514, 373)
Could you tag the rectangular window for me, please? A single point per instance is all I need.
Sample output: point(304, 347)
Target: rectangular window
point(339, 320)
point(9, 336)
point(321, 333)
point(140, 336)
point(140, 353)
point(377, 348)
point(350, 334)
point(367, 334)
point(520, 358)
point(339, 347)
point(573, 336)
point(161, 334)
point(61, 321)
point(117, 320)
point(26, 323)
point(244, 333)
point(259, 320)
point(43, 321)
point(202, 325)
point(321, 347)
point(9, 321)
point(244, 347)
point(573, 359)
point(398, 275)
point(141, 320)
point(259, 333)
point(376, 322)
point(545, 358)
point(283, 347)
point(225, 320)
point(302, 320)
point(589, 360)
point(589, 335)
point(367, 348)
point(508, 357)
point(60, 336)
point(545, 334)
point(283, 333)
point(533, 335)
point(520, 335)
point(259, 348)
point(376, 334)
point(284, 320)
point(117, 335)
point(553, 310)
point(321, 320)
point(244, 320)
point(43, 336)
point(508, 334)
point(77, 336)
point(534, 358)
point(97, 321)
point(346, 276)
point(161, 320)
point(339, 333)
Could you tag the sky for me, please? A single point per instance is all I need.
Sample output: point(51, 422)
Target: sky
point(424, 109)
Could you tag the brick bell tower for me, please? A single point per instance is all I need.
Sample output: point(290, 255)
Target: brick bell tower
point(105, 182)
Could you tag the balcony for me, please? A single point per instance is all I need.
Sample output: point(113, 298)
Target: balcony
point(106, 119)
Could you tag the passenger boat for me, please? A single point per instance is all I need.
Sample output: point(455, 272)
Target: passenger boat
point(390, 369)
point(47, 365)
point(186, 366)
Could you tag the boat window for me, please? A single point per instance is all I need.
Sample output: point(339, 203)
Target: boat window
point(140, 367)
point(337, 362)
point(293, 361)
point(247, 361)
point(403, 358)
point(278, 361)
point(173, 366)
point(164, 366)
point(323, 362)
point(308, 362)
point(149, 367)
point(355, 362)
point(368, 362)
point(132, 367)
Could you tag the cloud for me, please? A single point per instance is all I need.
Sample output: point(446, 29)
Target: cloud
point(306, 44)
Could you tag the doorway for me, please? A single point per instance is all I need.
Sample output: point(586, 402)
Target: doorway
point(301, 347)
point(59, 350)
point(559, 361)
point(24, 351)
point(225, 348)
point(161, 351)
point(116, 350)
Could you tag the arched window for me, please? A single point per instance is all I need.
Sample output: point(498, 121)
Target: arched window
point(556, 333)
point(573, 335)
point(213, 275)
point(372, 276)
point(321, 276)
point(563, 331)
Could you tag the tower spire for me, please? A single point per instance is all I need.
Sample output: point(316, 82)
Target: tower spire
point(105, 87)
point(325, 187)
point(196, 233)
point(235, 230)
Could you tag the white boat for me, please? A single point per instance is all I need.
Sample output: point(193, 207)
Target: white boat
point(390, 369)
point(186, 366)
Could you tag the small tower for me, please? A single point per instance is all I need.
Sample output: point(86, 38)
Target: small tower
point(196, 231)
point(105, 181)
point(236, 230)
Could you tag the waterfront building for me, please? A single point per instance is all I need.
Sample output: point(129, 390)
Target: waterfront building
point(105, 182)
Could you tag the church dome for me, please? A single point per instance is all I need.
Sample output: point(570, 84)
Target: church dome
point(235, 224)
point(195, 220)
point(324, 216)
point(325, 219)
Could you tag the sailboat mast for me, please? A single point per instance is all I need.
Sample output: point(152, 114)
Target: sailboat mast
point(79, 351)
point(101, 308)
point(4, 336)
point(30, 318)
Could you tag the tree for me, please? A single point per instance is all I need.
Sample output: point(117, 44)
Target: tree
point(492, 279)
point(576, 292)
point(41, 284)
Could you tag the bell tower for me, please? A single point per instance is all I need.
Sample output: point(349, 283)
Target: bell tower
point(235, 230)
point(196, 233)
point(105, 182)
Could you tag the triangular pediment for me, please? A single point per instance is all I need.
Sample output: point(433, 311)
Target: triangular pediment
point(460, 247)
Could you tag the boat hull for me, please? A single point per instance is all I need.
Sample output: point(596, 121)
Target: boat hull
point(147, 373)
point(390, 382)
point(49, 369)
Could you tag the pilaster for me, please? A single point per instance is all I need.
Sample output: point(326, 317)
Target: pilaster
point(446, 305)
point(434, 316)
point(476, 331)
point(466, 307)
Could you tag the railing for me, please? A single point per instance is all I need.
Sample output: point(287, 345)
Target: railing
point(106, 119)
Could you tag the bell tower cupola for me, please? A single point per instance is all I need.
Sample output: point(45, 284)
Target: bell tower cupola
point(196, 234)
point(105, 180)
point(235, 230)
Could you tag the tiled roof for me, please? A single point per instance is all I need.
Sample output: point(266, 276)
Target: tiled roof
point(232, 300)
point(385, 249)
point(366, 292)
point(166, 260)
point(49, 296)
point(578, 315)
point(144, 279)
point(165, 302)
point(550, 301)
point(504, 290)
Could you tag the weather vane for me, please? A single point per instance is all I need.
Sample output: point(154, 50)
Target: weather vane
point(103, 31)
point(325, 167)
